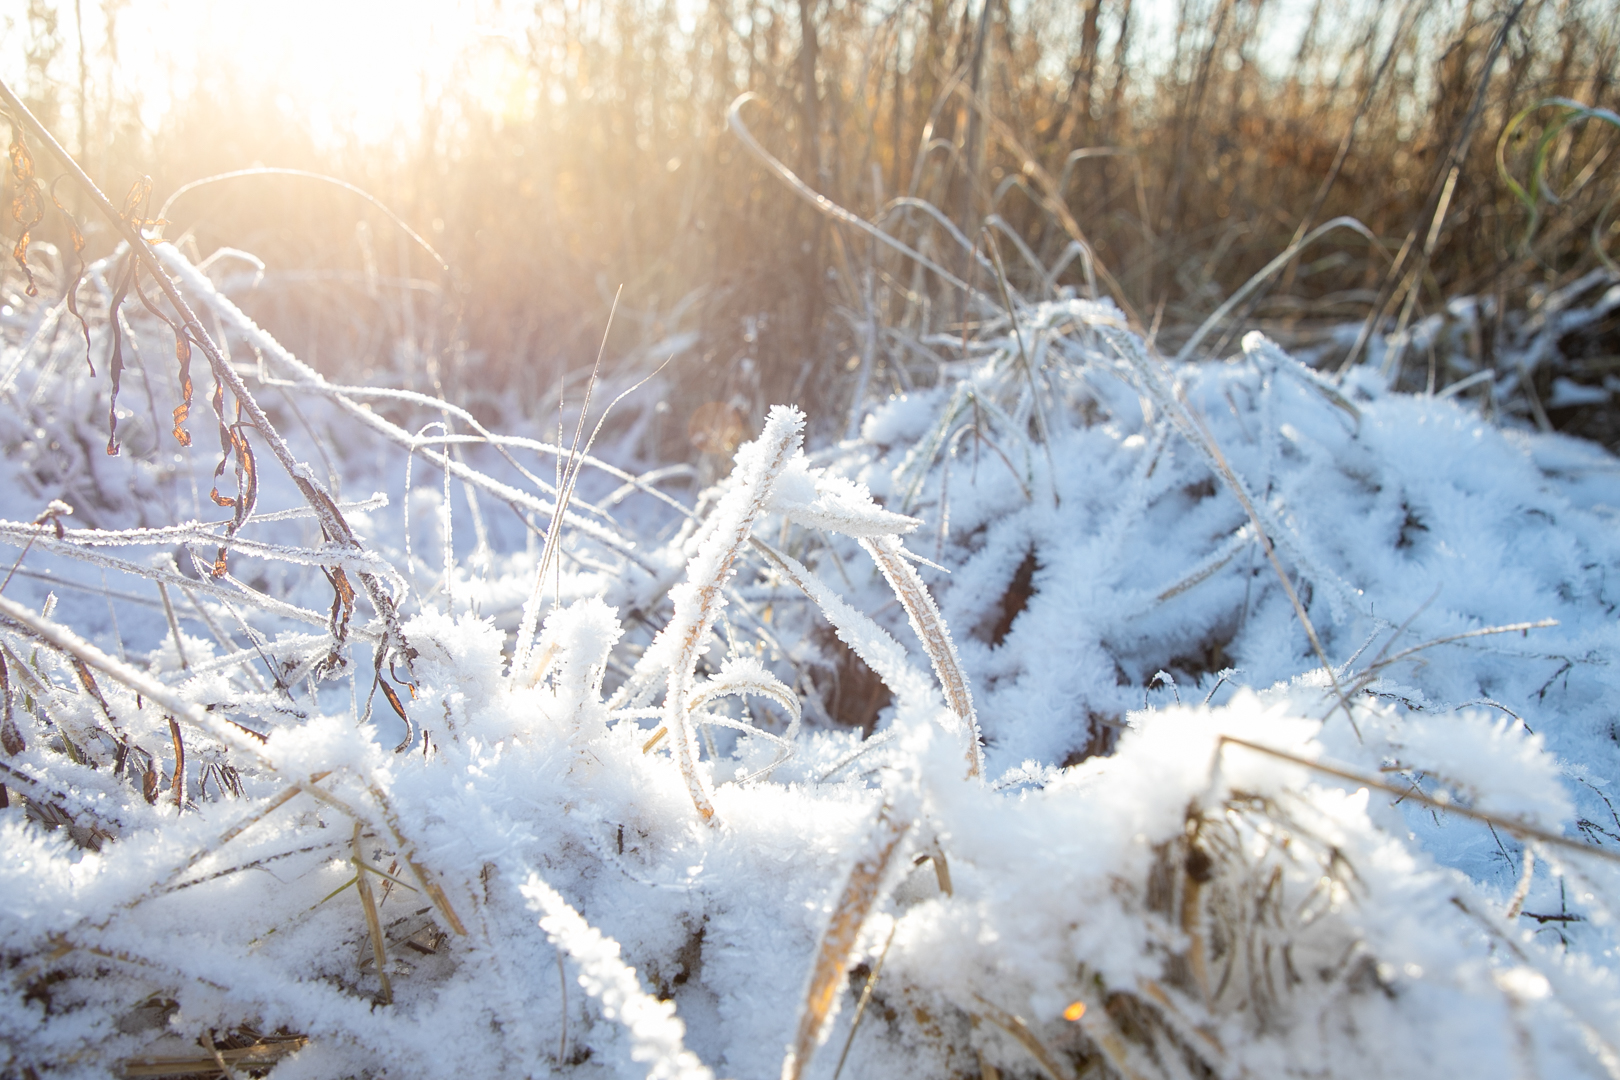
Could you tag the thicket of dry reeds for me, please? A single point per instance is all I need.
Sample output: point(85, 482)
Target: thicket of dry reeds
point(1183, 157)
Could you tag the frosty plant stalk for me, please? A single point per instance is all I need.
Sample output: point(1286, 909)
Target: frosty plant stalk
point(699, 599)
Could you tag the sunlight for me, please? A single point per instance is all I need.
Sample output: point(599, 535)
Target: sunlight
point(348, 69)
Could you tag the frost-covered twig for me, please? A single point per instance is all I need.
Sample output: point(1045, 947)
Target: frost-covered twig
point(314, 493)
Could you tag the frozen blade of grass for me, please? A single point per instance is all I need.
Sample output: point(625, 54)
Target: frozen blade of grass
point(855, 903)
point(745, 675)
point(741, 676)
point(203, 585)
point(818, 501)
point(935, 636)
point(698, 601)
point(920, 458)
point(203, 533)
point(879, 739)
point(1212, 563)
point(656, 1034)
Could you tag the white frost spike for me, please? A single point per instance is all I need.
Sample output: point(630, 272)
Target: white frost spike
point(815, 500)
point(656, 1033)
point(699, 599)
point(578, 638)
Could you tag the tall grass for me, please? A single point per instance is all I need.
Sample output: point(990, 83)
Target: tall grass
point(1183, 158)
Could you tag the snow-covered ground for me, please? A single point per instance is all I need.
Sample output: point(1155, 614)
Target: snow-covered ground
point(1085, 715)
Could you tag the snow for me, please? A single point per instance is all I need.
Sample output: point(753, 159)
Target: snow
point(1180, 827)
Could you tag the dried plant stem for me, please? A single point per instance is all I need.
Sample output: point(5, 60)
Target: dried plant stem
point(821, 202)
point(1526, 876)
point(866, 998)
point(1016, 1027)
point(207, 1039)
point(258, 1056)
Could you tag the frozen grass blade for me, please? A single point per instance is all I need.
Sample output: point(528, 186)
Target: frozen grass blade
point(699, 600)
point(935, 636)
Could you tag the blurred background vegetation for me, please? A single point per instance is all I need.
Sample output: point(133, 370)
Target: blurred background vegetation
point(556, 151)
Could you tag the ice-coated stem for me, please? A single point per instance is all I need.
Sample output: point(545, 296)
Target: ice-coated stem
point(699, 599)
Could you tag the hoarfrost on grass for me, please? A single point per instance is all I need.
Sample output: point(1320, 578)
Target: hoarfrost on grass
point(1132, 860)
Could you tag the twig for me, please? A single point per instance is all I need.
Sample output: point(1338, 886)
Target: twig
point(1517, 828)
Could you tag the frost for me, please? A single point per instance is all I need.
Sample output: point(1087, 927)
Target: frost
point(1090, 804)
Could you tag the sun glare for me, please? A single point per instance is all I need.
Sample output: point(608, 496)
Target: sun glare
point(349, 69)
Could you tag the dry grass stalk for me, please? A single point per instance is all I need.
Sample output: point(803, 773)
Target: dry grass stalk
point(1519, 829)
point(207, 1039)
point(838, 941)
point(368, 902)
point(1016, 1027)
point(260, 1055)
